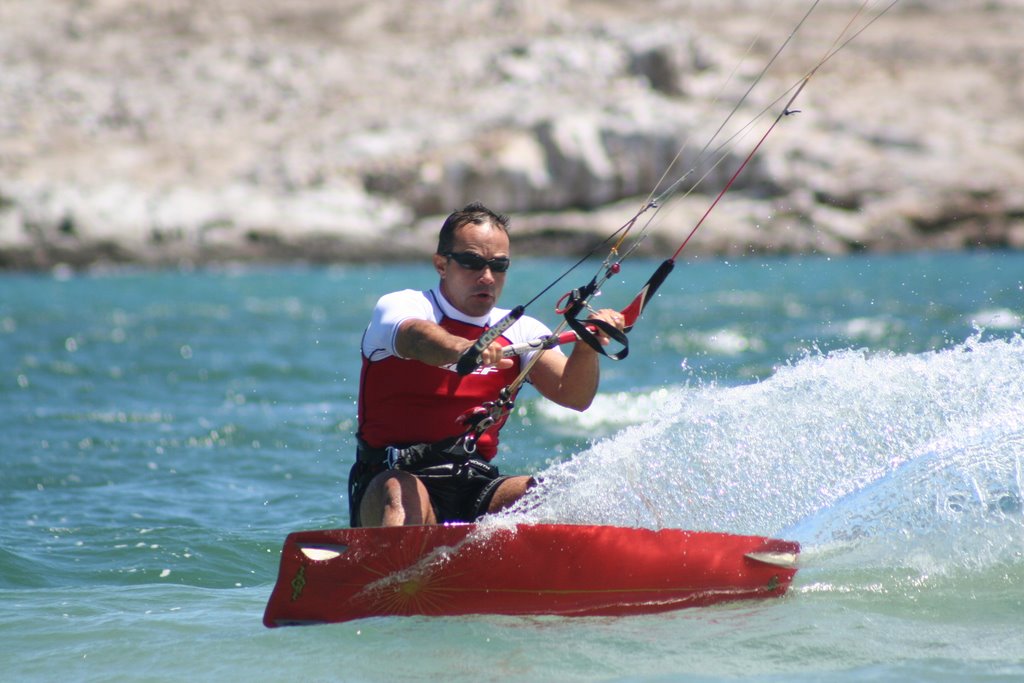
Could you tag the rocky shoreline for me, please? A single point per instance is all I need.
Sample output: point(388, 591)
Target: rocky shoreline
point(337, 130)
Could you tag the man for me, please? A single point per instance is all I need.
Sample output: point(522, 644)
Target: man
point(410, 468)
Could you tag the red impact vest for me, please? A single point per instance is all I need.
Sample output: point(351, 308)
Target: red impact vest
point(404, 402)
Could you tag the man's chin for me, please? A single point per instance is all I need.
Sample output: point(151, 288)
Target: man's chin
point(479, 305)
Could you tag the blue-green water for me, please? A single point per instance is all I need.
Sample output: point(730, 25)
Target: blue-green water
point(162, 432)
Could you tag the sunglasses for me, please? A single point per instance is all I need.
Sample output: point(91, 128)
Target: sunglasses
point(471, 261)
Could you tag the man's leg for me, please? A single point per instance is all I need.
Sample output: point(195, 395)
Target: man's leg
point(396, 498)
point(509, 491)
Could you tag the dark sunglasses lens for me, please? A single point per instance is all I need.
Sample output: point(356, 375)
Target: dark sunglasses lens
point(471, 261)
point(477, 262)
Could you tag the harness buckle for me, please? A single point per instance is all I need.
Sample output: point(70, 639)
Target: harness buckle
point(393, 457)
point(473, 417)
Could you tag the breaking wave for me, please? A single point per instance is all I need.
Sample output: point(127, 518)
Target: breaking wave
point(895, 459)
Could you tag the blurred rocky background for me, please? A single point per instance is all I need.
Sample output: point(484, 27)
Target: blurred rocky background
point(195, 131)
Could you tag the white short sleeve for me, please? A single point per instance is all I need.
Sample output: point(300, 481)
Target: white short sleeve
point(528, 329)
point(390, 312)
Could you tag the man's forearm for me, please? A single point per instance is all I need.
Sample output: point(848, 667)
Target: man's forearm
point(580, 378)
point(428, 343)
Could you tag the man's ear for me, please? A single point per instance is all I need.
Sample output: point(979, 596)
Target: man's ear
point(440, 264)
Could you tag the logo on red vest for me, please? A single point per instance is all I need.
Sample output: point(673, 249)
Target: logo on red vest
point(484, 370)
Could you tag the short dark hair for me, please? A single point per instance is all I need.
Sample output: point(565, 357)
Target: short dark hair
point(475, 213)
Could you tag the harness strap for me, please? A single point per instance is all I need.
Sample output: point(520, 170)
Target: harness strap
point(577, 299)
point(580, 328)
point(415, 456)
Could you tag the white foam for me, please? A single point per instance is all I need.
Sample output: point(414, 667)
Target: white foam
point(997, 319)
point(819, 450)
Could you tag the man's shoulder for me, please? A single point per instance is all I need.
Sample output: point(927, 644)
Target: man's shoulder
point(391, 310)
point(404, 296)
point(526, 329)
point(412, 301)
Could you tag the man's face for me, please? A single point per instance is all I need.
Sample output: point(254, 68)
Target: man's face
point(473, 292)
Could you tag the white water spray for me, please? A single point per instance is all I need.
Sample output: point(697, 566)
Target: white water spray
point(837, 447)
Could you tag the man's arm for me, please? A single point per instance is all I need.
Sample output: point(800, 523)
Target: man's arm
point(572, 381)
point(429, 343)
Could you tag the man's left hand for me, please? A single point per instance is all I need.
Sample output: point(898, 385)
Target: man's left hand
point(610, 316)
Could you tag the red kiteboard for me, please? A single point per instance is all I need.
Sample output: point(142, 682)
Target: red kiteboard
point(343, 574)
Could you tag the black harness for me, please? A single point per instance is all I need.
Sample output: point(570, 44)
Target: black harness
point(447, 460)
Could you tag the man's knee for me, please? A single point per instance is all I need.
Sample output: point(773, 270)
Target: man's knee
point(392, 489)
point(395, 498)
point(510, 490)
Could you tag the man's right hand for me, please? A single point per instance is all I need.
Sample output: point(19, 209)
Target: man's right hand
point(492, 356)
